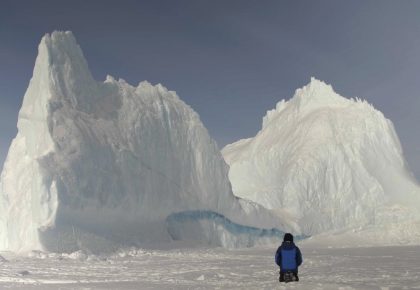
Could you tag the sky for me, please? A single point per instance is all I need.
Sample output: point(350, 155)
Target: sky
point(231, 61)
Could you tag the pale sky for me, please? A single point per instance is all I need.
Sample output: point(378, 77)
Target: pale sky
point(231, 61)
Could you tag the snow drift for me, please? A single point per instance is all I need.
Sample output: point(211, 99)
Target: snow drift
point(95, 165)
point(326, 163)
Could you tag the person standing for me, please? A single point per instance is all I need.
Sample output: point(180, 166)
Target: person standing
point(288, 258)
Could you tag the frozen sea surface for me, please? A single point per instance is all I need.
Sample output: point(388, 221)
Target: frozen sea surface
point(202, 268)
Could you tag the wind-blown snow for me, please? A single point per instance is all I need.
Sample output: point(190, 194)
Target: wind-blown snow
point(95, 165)
point(326, 163)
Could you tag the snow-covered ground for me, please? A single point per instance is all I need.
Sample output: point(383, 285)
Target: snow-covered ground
point(214, 268)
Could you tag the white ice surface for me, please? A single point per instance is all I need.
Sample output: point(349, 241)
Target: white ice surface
point(214, 268)
point(328, 163)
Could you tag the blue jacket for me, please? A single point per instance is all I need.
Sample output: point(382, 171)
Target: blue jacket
point(288, 257)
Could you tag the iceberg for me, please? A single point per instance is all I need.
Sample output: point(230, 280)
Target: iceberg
point(96, 165)
point(326, 163)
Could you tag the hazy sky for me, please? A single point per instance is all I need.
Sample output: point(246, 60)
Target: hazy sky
point(229, 60)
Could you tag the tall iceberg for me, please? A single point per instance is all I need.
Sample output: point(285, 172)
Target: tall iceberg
point(327, 163)
point(97, 164)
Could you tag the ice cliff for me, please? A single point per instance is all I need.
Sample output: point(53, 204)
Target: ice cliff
point(327, 163)
point(99, 164)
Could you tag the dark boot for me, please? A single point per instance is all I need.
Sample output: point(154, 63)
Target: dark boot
point(281, 277)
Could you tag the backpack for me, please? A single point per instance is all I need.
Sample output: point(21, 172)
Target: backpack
point(288, 259)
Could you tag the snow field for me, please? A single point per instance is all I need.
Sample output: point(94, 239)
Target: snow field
point(214, 268)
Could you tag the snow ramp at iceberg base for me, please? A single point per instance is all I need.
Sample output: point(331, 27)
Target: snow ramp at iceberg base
point(215, 229)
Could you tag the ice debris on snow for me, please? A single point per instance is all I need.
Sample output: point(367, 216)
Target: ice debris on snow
point(24, 273)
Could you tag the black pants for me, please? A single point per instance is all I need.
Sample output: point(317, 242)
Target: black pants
point(295, 274)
